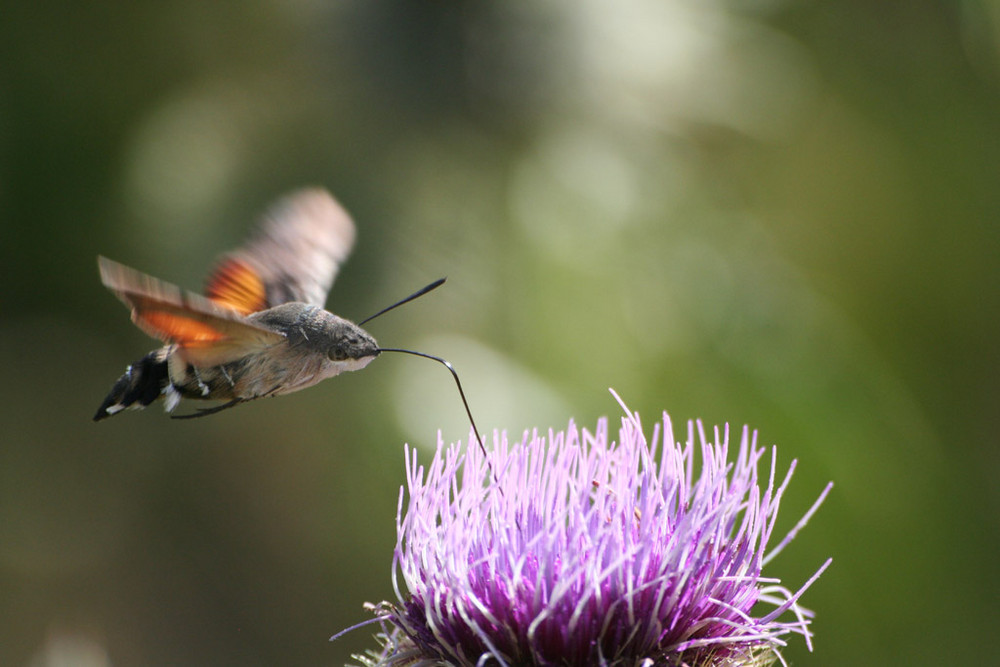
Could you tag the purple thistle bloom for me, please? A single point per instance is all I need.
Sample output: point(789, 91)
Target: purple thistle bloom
point(581, 551)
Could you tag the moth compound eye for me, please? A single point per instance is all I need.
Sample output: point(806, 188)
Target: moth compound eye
point(338, 354)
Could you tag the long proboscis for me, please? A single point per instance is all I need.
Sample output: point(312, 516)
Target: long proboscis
point(420, 292)
point(461, 392)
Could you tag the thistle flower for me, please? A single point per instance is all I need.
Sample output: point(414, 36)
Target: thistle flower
point(573, 549)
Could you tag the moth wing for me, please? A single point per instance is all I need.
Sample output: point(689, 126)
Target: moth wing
point(293, 256)
point(206, 333)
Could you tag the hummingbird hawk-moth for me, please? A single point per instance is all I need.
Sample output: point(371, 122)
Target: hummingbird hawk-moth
point(261, 328)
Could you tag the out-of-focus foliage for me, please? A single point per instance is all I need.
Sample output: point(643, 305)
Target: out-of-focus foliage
point(767, 211)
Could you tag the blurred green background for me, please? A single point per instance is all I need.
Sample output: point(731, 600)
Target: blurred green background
point(775, 212)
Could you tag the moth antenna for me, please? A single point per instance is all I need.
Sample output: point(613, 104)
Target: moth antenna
point(420, 292)
point(461, 392)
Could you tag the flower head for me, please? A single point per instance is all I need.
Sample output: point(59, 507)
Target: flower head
point(573, 549)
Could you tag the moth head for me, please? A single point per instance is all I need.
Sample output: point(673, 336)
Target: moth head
point(350, 342)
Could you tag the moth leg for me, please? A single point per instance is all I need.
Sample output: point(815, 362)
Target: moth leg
point(204, 412)
point(205, 391)
point(226, 375)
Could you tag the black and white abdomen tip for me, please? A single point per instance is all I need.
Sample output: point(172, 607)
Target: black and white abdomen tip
point(142, 383)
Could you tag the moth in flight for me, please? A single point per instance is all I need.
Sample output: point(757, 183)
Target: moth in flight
point(260, 329)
